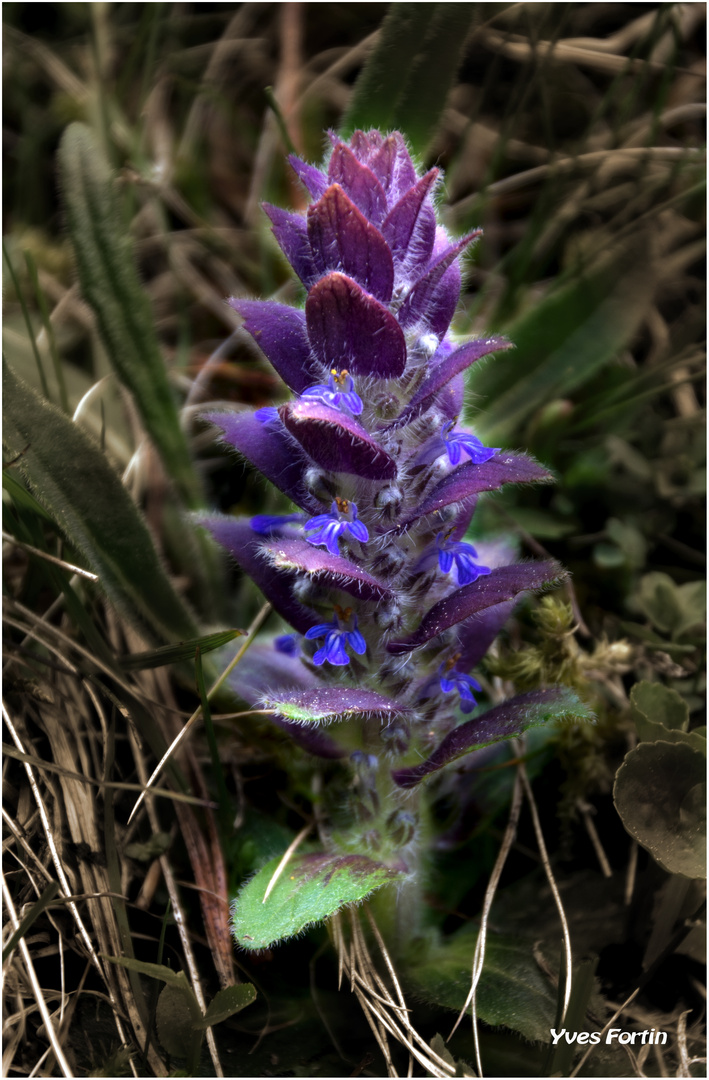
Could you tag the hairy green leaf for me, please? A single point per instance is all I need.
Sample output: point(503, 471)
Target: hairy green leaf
point(406, 79)
point(70, 477)
point(512, 989)
point(110, 284)
point(310, 888)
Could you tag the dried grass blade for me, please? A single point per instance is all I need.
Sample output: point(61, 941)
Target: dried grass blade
point(36, 988)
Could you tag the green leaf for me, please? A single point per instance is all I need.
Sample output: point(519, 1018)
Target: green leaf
point(173, 654)
point(660, 794)
point(673, 609)
point(176, 979)
point(110, 284)
point(560, 343)
point(652, 701)
point(512, 990)
point(226, 1003)
point(405, 82)
point(176, 1015)
point(70, 477)
point(310, 888)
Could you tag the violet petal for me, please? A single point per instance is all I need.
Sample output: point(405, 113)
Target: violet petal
point(410, 226)
point(330, 570)
point(505, 721)
point(348, 328)
point(417, 302)
point(470, 479)
point(236, 536)
point(291, 232)
point(454, 364)
point(271, 450)
point(501, 584)
point(359, 182)
point(280, 333)
point(451, 398)
point(315, 181)
point(341, 238)
point(364, 144)
point(477, 634)
point(336, 441)
point(331, 703)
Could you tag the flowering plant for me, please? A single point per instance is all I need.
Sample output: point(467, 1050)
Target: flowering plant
point(391, 607)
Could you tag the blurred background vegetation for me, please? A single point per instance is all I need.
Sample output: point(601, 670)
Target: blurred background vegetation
point(574, 135)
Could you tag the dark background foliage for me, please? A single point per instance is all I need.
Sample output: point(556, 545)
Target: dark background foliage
point(573, 134)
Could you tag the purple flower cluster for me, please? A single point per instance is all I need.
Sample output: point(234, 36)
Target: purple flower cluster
point(371, 570)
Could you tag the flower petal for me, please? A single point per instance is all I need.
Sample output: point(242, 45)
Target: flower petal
point(333, 571)
point(505, 721)
point(359, 182)
point(470, 479)
point(336, 441)
point(280, 333)
point(341, 238)
point(348, 328)
point(291, 232)
point(271, 450)
point(500, 584)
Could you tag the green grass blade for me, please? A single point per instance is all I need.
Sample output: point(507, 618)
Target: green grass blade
point(46, 322)
point(71, 478)
point(28, 324)
point(174, 654)
point(111, 285)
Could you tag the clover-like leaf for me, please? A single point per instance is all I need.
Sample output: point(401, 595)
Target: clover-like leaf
point(660, 794)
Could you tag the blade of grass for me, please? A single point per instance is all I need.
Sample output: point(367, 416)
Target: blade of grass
point(30, 918)
point(173, 654)
point(28, 324)
point(217, 768)
point(49, 331)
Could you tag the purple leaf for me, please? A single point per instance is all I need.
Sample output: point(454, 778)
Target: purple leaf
point(315, 181)
point(341, 238)
point(263, 666)
point(470, 479)
point(349, 329)
point(331, 570)
point(291, 232)
point(441, 306)
point(359, 182)
point(451, 398)
point(501, 584)
point(477, 634)
point(410, 226)
point(236, 536)
point(335, 441)
point(364, 144)
point(505, 721)
point(280, 333)
point(455, 363)
point(331, 703)
point(392, 165)
point(417, 303)
point(269, 449)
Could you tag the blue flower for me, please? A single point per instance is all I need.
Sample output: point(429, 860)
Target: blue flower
point(456, 443)
point(342, 518)
point(449, 679)
point(267, 415)
point(268, 523)
point(336, 638)
point(461, 554)
point(287, 644)
point(337, 393)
